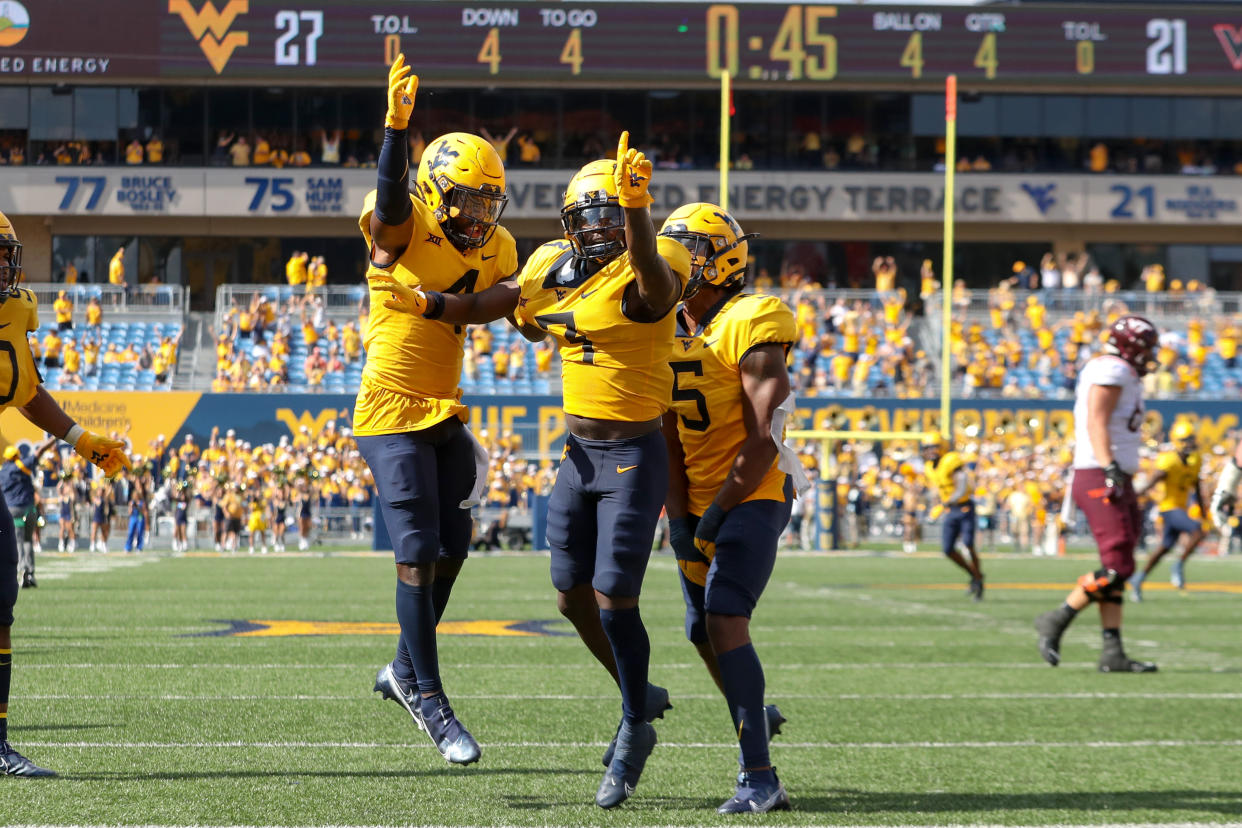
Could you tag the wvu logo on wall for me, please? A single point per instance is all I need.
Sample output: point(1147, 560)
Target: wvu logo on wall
point(211, 28)
point(314, 422)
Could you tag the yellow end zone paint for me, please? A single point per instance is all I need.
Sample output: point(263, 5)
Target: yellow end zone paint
point(278, 629)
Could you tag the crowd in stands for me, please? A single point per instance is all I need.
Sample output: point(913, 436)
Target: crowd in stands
point(250, 495)
point(1026, 346)
point(1019, 470)
point(274, 148)
point(815, 149)
point(245, 496)
point(95, 353)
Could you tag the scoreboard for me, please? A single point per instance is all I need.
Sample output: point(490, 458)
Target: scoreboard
point(631, 44)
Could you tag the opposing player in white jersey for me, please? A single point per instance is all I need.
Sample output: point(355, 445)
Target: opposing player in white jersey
point(1225, 498)
point(1108, 412)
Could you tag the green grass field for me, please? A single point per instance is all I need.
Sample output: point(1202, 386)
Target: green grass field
point(907, 703)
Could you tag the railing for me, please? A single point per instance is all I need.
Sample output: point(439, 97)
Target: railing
point(145, 300)
point(1060, 301)
point(340, 299)
point(337, 299)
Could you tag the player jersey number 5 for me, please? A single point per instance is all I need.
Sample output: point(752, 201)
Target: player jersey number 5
point(693, 367)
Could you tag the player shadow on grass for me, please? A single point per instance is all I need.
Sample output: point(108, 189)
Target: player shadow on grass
point(1114, 802)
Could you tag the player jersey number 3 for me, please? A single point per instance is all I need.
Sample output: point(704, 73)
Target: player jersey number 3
point(572, 334)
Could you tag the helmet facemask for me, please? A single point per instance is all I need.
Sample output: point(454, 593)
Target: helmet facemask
point(467, 215)
point(705, 251)
point(10, 266)
point(595, 226)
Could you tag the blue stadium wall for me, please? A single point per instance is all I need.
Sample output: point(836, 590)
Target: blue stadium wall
point(538, 419)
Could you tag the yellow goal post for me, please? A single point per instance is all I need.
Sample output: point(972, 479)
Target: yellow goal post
point(828, 438)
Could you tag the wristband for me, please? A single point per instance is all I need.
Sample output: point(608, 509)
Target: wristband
point(435, 304)
point(74, 434)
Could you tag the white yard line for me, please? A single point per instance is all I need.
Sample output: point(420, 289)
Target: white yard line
point(521, 697)
point(898, 665)
point(732, 824)
point(916, 745)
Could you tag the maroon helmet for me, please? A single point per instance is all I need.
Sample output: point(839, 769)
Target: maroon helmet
point(1134, 339)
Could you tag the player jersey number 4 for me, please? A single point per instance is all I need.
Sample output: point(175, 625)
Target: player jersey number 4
point(413, 367)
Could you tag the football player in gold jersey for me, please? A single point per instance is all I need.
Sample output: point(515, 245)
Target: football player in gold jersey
point(409, 419)
point(606, 295)
point(1178, 469)
point(729, 496)
point(22, 387)
point(945, 471)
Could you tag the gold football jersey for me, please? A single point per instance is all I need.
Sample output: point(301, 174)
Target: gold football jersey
point(940, 476)
point(612, 368)
point(19, 378)
point(413, 364)
point(707, 391)
point(1179, 480)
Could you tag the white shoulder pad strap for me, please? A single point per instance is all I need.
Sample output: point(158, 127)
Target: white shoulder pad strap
point(787, 460)
point(480, 473)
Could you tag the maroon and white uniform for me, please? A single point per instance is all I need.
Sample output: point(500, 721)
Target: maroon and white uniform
point(1115, 522)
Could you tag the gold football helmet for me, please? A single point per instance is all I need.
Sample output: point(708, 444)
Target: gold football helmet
point(934, 446)
point(591, 214)
point(718, 248)
point(1182, 436)
point(10, 258)
point(462, 179)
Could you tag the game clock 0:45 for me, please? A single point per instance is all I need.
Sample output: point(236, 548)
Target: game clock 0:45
point(801, 44)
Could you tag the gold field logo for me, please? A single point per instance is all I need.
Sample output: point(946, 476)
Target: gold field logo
point(211, 28)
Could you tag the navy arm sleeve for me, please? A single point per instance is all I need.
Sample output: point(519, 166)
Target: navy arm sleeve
point(392, 193)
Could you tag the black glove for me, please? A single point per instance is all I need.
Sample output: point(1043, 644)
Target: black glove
point(1116, 483)
point(709, 524)
point(681, 538)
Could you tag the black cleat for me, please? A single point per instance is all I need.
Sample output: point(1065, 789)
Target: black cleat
point(757, 793)
point(13, 763)
point(657, 702)
point(1120, 663)
point(775, 720)
point(389, 687)
point(448, 734)
point(1050, 629)
point(976, 589)
point(634, 745)
point(28, 581)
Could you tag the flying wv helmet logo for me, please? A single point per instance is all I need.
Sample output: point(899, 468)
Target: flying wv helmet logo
point(729, 220)
point(444, 156)
point(211, 28)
